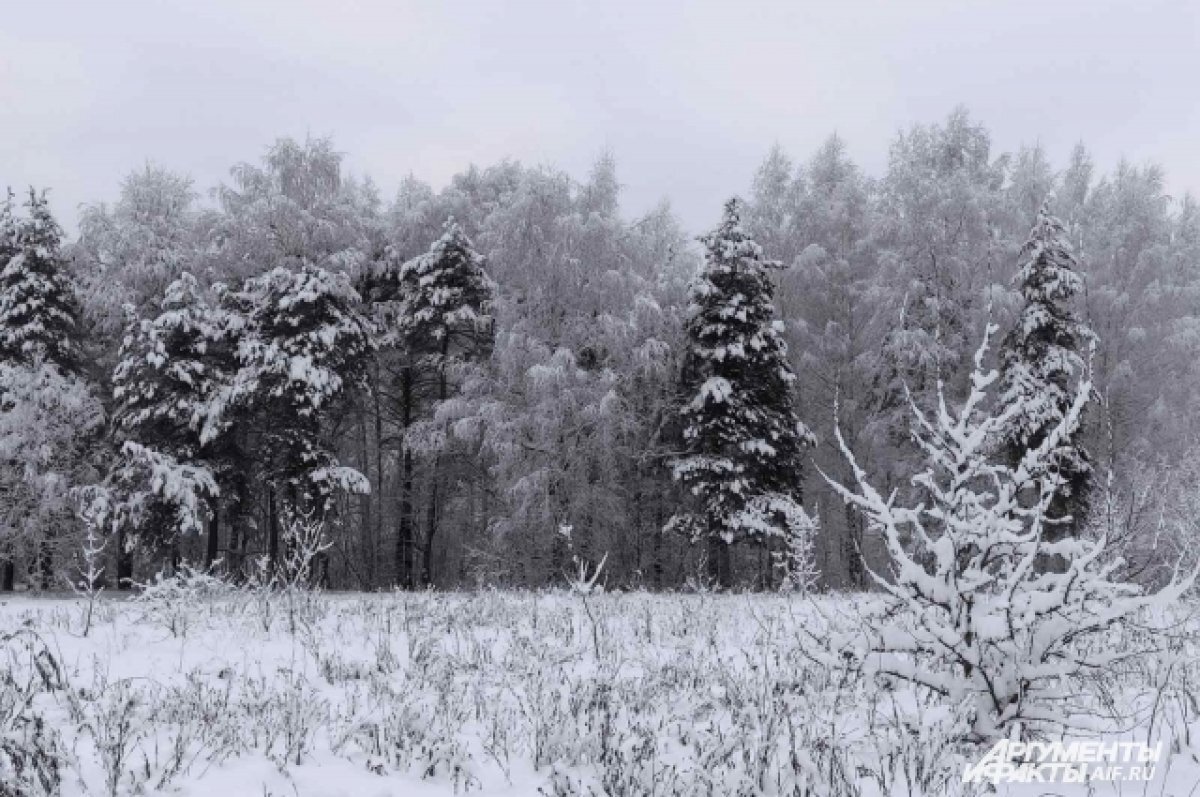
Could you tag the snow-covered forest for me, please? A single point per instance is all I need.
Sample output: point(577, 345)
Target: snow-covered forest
point(913, 456)
point(497, 382)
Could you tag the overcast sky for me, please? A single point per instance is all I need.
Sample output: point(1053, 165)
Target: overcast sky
point(688, 96)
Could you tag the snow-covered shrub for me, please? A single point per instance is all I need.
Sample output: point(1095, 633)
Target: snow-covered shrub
point(287, 714)
point(984, 610)
point(299, 576)
point(294, 582)
point(170, 599)
point(91, 572)
point(795, 561)
point(304, 543)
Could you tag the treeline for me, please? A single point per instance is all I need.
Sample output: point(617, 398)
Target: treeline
point(485, 384)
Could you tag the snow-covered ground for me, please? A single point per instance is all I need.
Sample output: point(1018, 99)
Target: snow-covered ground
point(498, 693)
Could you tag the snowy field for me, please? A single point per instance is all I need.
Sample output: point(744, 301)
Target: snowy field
point(498, 693)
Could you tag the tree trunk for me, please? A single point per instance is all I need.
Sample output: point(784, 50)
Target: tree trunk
point(766, 558)
point(8, 571)
point(852, 544)
point(366, 542)
point(404, 539)
point(214, 538)
point(45, 560)
point(657, 566)
point(378, 473)
point(433, 511)
point(272, 528)
point(639, 535)
point(234, 514)
point(431, 524)
point(124, 564)
point(720, 564)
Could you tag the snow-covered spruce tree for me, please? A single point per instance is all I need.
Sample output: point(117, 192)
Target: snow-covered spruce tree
point(447, 296)
point(446, 325)
point(303, 342)
point(45, 404)
point(743, 441)
point(1040, 363)
point(162, 483)
point(38, 310)
point(969, 618)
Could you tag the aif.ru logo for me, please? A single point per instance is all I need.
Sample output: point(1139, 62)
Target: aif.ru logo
point(1070, 762)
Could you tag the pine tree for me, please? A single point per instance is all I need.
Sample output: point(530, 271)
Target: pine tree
point(164, 383)
point(1041, 362)
point(743, 441)
point(447, 295)
point(38, 316)
point(303, 344)
point(447, 323)
point(163, 379)
point(38, 311)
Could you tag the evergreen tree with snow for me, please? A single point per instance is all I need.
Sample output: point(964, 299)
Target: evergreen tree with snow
point(301, 343)
point(1040, 364)
point(168, 374)
point(435, 314)
point(38, 310)
point(44, 403)
point(743, 441)
point(447, 296)
point(447, 324)
point(163, 379)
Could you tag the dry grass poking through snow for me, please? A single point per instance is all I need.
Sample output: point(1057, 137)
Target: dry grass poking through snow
point(230, 693)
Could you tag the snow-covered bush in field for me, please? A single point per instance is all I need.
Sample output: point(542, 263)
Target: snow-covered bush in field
point(305, 543)
point(294, 582)
point(91, 572)
point(795, 561)
point(984, 610)
point(170, 599)
point(302, 572)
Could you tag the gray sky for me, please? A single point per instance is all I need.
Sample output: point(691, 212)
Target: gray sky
point(687, 96)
